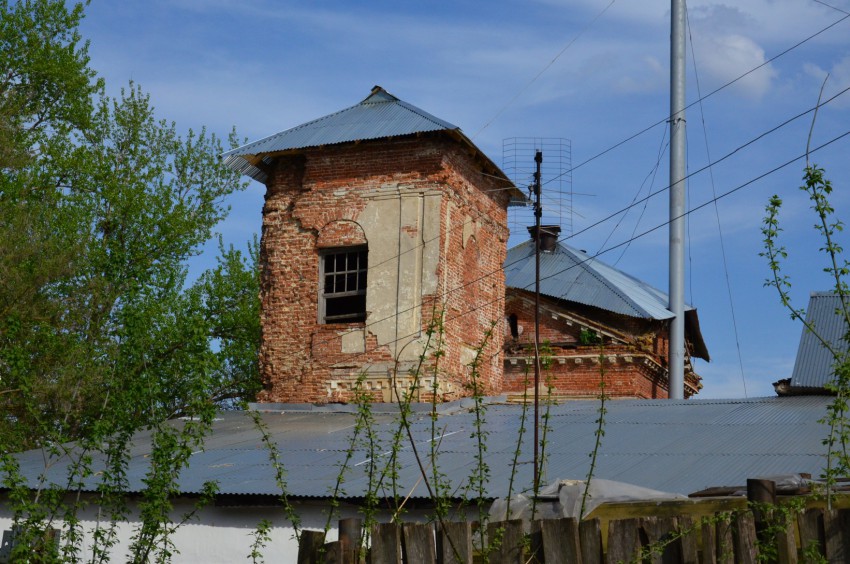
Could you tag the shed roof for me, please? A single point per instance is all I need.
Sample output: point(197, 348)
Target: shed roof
point(678, 446)
point(572, 275)
point(569, 274)
point(380, 115)
point(813, 368)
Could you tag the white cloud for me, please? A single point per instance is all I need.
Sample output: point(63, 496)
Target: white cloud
point(839, 79)
point(651, 76)
point(723, 58)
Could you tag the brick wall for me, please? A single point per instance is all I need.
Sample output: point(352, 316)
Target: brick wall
point(632, 356)
point(316, 199)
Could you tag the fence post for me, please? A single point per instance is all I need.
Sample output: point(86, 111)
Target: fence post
point(309, 546)
point(350, 533)
point(761, 498)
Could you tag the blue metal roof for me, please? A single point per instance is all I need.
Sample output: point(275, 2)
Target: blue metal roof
point(380, 115)
point(569, 274)
point(677, 446)
point(814, 365)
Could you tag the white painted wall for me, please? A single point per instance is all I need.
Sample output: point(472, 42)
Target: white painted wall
point(222, 534)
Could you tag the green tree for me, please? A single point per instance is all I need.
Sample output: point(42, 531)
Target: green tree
point(101, 205)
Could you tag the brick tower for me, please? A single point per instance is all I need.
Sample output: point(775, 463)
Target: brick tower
point(380, 221)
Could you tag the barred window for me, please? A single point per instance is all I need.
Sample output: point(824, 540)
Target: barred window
point(343, 292)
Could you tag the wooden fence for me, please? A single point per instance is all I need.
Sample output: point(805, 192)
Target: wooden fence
point(813, 535)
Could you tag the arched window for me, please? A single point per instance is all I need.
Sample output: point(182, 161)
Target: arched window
point(343, 267)
point(342, 296)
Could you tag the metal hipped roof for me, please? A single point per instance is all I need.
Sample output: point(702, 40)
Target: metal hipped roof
point(380, 115)
point(678, 446)
point(569, 274)
point(814, 366)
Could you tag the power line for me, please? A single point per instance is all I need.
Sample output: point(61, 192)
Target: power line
point(544, 69)
point(447, 293)
point(661, 150)
point(611, 148)
point(590, 258)
point(717, 216)
point(721, 159)
point(710, 94)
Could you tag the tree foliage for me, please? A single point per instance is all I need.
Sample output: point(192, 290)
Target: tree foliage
point(101, 206)
point(837, 419)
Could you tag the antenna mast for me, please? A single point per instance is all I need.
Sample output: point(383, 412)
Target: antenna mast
point(676, 358)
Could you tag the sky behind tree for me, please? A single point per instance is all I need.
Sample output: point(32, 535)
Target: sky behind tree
point(593, 72)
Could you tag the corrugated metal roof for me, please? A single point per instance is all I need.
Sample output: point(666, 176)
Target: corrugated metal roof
point(674, 446)
point(569, 274)
point(813, 367)
point(380, 115)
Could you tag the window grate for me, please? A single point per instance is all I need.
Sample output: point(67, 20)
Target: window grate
point(344, 285)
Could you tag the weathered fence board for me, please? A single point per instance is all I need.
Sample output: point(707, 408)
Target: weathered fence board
point(334, 553)
point(386, 544)
point(510, 549)
point(659, 535)
point(836, 528)
point(561, 541)
point(350, 534)
point(724, 548)
point(725, 538)
point(708, 531)
point(455, 542)
point(786, 545)
point(623, 540)
point(744, 538)
point(310, 546)
point(689, 539)
point(534, 551)
point(419, 543)
point(810, 525)
point(590, 533)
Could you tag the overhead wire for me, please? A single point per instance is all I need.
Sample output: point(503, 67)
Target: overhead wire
point(444, 295)
point(642, 200)
point(837, 9)
point(716, 214)
point(543, 70)
point(710, 94)
point(618, 245)
point(662, 148)
point(721, 159)
point(734, 151)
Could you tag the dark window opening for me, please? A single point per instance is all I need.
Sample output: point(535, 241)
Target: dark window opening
point(512, 322)
point(343, 293)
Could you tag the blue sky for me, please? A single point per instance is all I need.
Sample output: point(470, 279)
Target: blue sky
point(593, 72)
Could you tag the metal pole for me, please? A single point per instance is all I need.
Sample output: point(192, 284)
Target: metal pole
point(538, 212)
point(677, 201)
